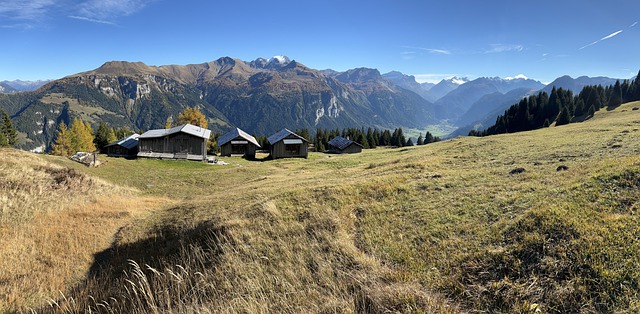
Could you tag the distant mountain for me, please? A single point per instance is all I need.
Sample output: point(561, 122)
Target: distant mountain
point(261, 96)
point(446, 86)
point(409, 82)
point(460, 100)
point(483, 113)
point(6, 88)
point(576, 85)
point(24, 86)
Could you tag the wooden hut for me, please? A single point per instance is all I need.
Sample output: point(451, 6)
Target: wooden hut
point(341, 145)
point(181, 142)
point(286, 144)
point(238, 143)
point(126, 147)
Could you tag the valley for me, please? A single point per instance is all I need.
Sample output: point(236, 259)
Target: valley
point(264, 95)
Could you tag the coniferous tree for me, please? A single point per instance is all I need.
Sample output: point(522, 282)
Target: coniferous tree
point(169, 123)
point(420, 140)
point(376, 136)
point(123, 132)
point(592, 111)
point(62, 144)
point(101, 137)
point(409, 142)
point(8, 130)
point(428, 138)
point(371, 139)
point(111, 135)
point(564, 117)
point(615, 98)
point(546, 123)
point(3, 140)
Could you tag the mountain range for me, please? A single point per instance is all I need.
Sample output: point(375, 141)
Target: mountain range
point(260, 96)
point(21, 86)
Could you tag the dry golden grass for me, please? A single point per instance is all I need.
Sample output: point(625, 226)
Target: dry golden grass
point(443, 228)
point(53, 221)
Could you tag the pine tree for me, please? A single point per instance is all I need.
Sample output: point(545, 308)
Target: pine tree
point(546, 123)
point(371, 139)
point(10, 133)
point(192, 115)
point(428, 138)
point(62, 144)
point(420, 140)
point(101, 137)
point(409, 142)
point(592, 111)
point(563, 117)
point(3, 140)
point(615, 98)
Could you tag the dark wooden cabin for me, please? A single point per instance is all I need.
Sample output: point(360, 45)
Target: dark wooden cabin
point(286, 144)
point(238, 143)
point(126, 147)
point(341, 145)
point(181, 142)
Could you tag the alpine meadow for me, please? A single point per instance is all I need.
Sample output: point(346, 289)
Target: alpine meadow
point(447, 227)
point(361, 156)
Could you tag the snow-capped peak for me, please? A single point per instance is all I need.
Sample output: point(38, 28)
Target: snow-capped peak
point(458, 80)
point(280, 59)
point(517, 77)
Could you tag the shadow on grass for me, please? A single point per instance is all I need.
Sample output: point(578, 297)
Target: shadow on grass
point(108, 284)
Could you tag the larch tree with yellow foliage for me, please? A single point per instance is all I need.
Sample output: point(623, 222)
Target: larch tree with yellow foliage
point(192, 115)
point(81, 136)
point(62, 144)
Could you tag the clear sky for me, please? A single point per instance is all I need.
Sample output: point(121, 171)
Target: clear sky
point(542, 39)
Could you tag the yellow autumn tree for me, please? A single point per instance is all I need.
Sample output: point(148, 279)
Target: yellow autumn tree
point(62, 144)
point(81, 136)
point(192, 115)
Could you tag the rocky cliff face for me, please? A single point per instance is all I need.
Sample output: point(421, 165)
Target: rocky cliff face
point(261, 97)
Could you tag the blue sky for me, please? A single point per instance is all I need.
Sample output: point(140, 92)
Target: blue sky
point(543, 39)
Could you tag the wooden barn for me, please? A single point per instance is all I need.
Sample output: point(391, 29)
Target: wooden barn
point(286, 144)
point(181, 142)
point(238, 143)
point(126, 147)
point(341, 145)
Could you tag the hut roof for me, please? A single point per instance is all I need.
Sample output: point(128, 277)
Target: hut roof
point(227, 137)
point(185, 128)
point(283, 134)
point(128, 142)
point(341, 143)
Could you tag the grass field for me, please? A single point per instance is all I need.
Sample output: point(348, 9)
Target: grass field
point(543, 221)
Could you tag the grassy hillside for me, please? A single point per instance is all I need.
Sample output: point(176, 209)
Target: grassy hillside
point(541, 221)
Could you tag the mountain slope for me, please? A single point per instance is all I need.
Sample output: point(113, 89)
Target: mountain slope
point(458, 102)
point(6, 88)
point(449, 227)
point(25, 86)
point(487, 108)
point(409, 82)
point(261, 96)
point(446, 86)
point(577, 84)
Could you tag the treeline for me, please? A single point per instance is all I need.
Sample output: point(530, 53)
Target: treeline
point(562, 107)
point(371, 138)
